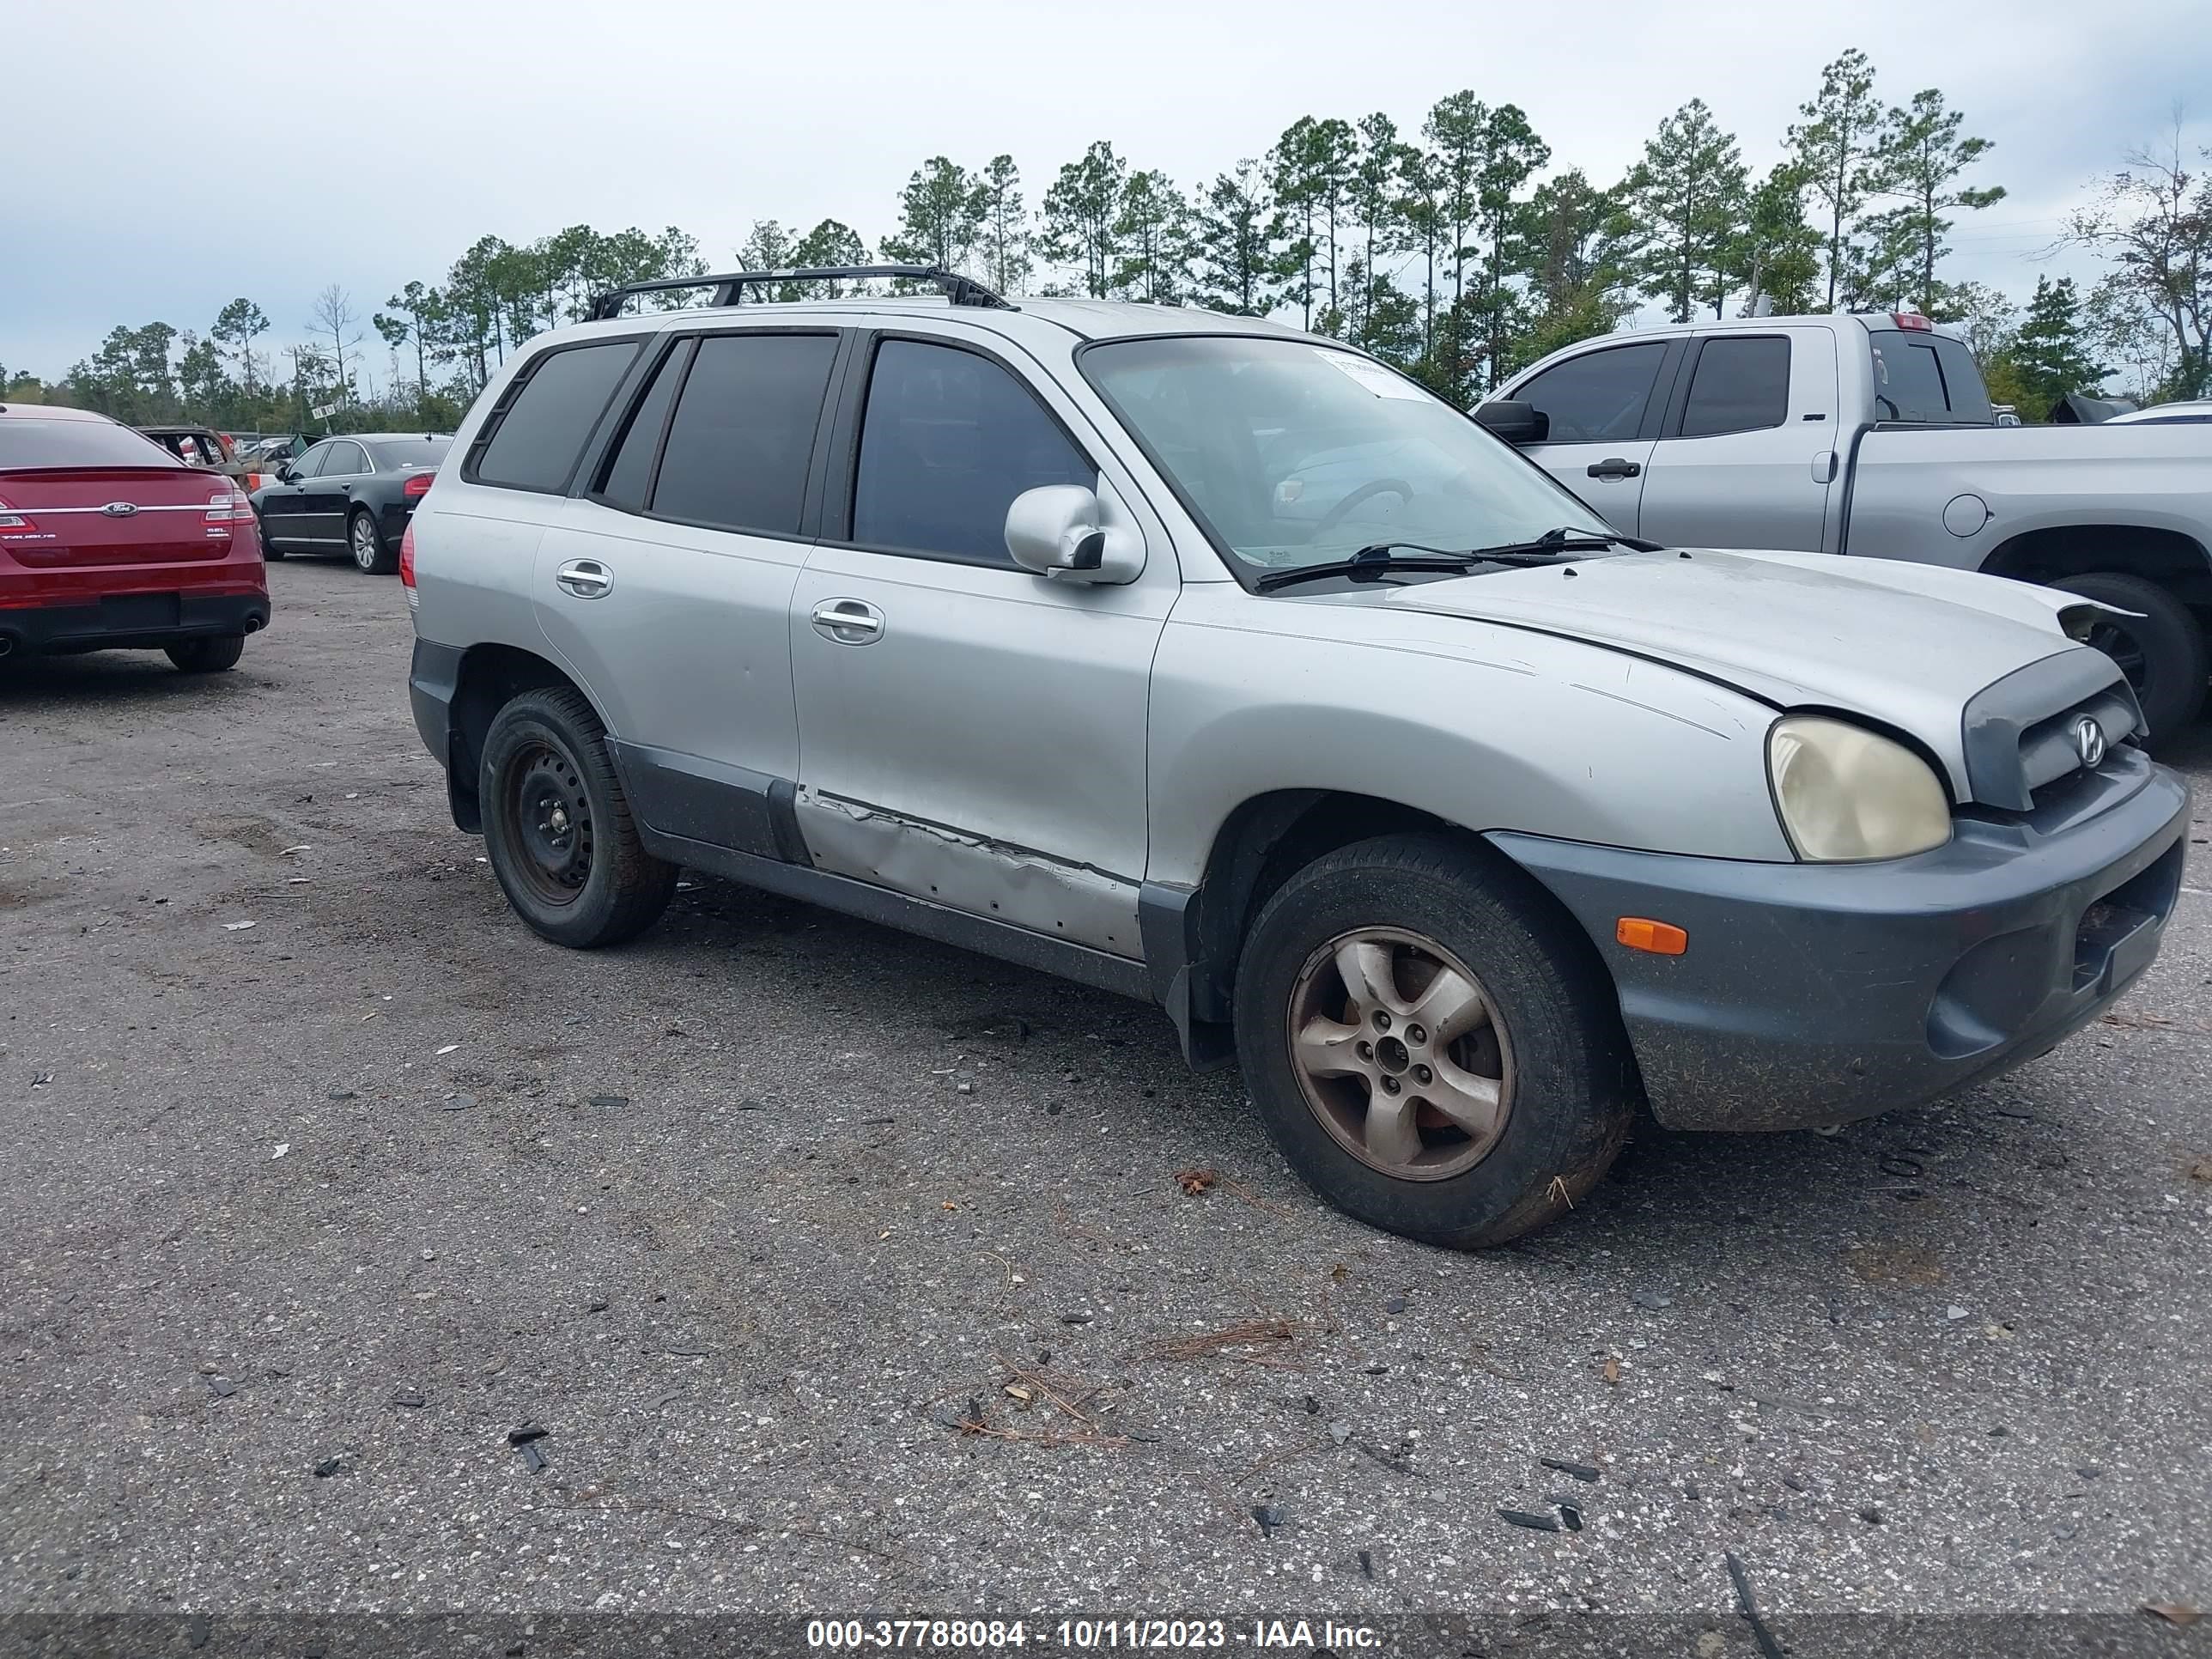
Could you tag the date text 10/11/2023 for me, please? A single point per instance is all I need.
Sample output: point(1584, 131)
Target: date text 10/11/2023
point(1086, 1634)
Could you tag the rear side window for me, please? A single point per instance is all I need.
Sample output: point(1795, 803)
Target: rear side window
point(1598, 398)
point(738, 450)
point(949, 439)
point(1739, 386)
point(27, 441)
point(628, 474)
point(1927, 377)
point(538, 430)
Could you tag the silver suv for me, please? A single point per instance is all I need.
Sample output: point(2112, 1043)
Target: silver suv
point(1122, 642)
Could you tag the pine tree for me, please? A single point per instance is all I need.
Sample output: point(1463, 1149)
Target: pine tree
point(1919, 158)
point(2049, 353)
point(1081, 211)
point(1005, 250)
point(1684, 200)
point(1835, 147)
point(1237, 234)
point(1152, 234)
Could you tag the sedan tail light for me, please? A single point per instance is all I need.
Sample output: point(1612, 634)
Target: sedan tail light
point(419, 486)
point(230, 507)
point(13, 523)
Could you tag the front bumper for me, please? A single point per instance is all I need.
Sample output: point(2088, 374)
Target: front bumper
point(1814, 994)
point(127, 621)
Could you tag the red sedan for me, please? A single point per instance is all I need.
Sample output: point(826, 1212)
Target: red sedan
point(108, 540)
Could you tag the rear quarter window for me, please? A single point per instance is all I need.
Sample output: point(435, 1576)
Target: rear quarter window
point(536, 432)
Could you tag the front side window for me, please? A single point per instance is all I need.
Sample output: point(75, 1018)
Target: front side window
point(1738, 385)
point(738, 450)
point(310, 464)
point(950, 438)
point(539, 427)
point(1599, 398)
point(1292, 454)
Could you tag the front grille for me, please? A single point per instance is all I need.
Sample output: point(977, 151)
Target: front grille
point(2021, 733)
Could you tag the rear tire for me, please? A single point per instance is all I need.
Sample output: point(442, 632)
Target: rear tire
point(1541, 1068)
point(210, 655)
point(558, 830)
point(2162, 652)
point(366, 543)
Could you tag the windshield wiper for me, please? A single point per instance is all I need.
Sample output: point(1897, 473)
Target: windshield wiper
point(1373, 561)
point(1554, 542)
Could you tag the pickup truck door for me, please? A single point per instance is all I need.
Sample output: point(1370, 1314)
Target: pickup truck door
point(1603, 406)
point(1747, 455)
point(971, 733)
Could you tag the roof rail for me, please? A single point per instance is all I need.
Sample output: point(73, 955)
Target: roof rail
point(730, 286)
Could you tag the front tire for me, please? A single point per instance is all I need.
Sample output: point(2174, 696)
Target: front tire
point(2161, 651)
point(366, 543)
point(1430, 1046)
point(558, 830)
point(207, 656)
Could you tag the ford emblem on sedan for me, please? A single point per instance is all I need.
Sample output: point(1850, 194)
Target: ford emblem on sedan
point(121, 509)
point(2089, 741)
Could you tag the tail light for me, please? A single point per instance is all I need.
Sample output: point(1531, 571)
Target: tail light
point(1912, 319)
point(407, 567)
point(227, 509)
point(419, 486)
point(14, 525)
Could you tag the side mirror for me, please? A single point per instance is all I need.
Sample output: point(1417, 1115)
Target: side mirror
point(1516, 423)
point(285, 474)
point(1065, 532)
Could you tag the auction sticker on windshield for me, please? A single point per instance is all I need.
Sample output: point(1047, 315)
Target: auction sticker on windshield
point(1373, 376)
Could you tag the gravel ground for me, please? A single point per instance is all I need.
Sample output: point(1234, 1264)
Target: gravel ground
point(322, 1174)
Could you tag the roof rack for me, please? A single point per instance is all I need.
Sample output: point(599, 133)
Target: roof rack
point(730, 286)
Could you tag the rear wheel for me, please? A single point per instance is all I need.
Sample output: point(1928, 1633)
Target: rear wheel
point(270, 551)
point(210, 655)
point(558, 830)
point(2161, 651)
point(366, 543)
point(1429, 1046)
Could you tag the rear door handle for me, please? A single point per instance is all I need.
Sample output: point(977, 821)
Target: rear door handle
point(587, 579)
point(848, 621)
point(1613, 468)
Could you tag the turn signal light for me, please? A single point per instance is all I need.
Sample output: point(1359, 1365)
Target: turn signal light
point(1661, 939)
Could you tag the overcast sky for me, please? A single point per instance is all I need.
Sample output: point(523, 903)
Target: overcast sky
point(155, 161)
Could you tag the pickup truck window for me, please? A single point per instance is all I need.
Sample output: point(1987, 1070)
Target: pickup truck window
point(1289, 454)
point(1740, 384)
point(1927, 377)
point(1599, 398)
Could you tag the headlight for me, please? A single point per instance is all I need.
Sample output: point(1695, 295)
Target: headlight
point(1845, 793)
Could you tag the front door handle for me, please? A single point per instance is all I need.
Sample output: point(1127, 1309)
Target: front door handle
point(848, 621)
point(1613, 468)
point(587, 579)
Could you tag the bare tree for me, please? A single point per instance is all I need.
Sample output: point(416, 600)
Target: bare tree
point(335, 316)
point(2153, 222)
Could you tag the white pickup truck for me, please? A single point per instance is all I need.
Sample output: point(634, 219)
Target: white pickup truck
point(1871, 433)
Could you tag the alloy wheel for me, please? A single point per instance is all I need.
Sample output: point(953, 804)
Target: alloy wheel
point(1401, 1053)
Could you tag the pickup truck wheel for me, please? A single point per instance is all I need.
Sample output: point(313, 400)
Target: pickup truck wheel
point(2161, 652)
point(558, 830)
point(1427, 1045)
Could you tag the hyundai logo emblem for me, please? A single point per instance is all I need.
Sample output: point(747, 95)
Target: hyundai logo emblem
point(2089, 741)
point(121, 509)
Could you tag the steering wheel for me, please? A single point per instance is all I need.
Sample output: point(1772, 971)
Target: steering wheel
point(1366, 492)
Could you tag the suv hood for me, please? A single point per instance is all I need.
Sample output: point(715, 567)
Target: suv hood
point(1906, 645)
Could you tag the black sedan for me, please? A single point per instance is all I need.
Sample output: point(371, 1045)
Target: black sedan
point(352, 494)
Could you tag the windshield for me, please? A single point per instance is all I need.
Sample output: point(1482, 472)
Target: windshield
point(411, 452)
point(1290, 454)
